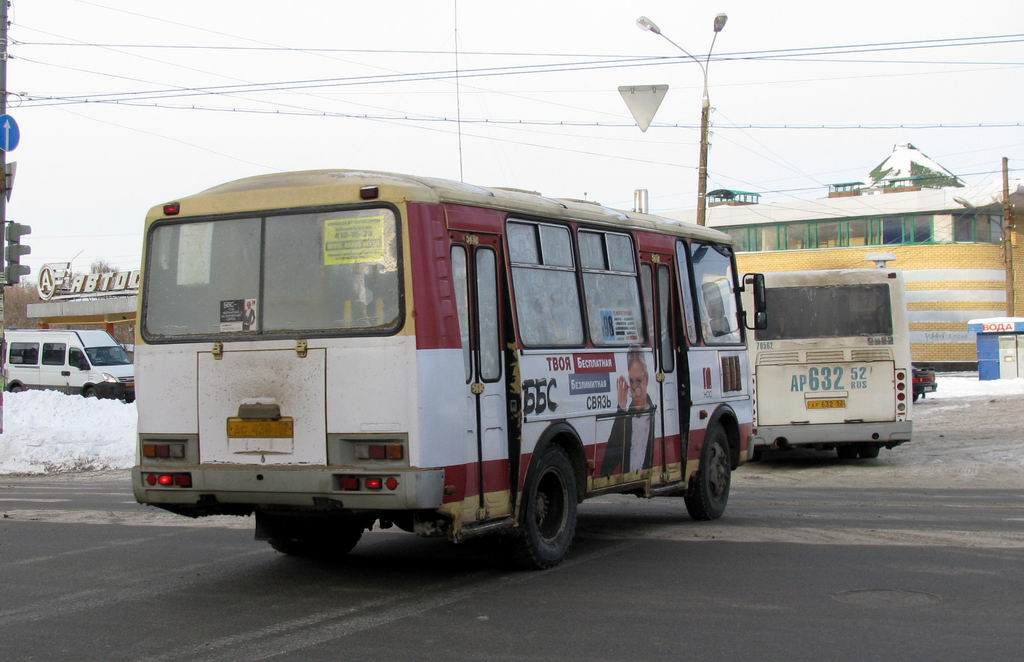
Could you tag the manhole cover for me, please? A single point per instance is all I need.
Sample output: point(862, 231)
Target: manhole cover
point(886, 597)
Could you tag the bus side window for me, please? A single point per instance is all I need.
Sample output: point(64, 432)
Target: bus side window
point(648, 287)
point(686, 290)
point(668, 356)
point(544, 280)
point(612, 296)
point(460, 283)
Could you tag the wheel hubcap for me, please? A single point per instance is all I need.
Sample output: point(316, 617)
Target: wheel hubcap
point(718, 476)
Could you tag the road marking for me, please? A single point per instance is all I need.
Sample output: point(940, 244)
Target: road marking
point(35, 500)
point(254, 645)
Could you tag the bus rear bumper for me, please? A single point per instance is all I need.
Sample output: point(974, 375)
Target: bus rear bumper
point(781, 436)
point(225, 489)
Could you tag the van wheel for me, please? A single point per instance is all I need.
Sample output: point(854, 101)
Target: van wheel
point(549, 511)
point(90, 392)
point(709, 491)
point(16, 388)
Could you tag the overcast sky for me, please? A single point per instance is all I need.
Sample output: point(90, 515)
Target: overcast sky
point(87, 172)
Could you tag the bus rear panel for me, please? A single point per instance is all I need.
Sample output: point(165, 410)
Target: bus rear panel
point(833, 367)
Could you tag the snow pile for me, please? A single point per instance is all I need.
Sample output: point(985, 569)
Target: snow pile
point(48, 432)
point(967, 384)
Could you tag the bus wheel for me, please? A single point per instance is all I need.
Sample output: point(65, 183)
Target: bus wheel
point(847, 451)
point(709, 492)
point(868, 451)
point(90, 392)
point(549, 511)
point(16, 388)
point(314, 539)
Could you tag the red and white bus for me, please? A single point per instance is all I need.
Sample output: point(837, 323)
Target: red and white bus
point(332, 350)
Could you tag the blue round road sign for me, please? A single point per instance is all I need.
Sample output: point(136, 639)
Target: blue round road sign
point(10, 134)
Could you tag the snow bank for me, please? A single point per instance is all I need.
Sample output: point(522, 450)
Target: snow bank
point(967, 384)
point(48, 432)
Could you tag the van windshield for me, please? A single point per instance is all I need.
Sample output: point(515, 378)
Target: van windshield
point(320, 272)
point(111, 355)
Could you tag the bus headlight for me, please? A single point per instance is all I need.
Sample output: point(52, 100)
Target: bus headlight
point(107, 377)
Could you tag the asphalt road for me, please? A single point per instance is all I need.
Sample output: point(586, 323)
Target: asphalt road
point(790, 573)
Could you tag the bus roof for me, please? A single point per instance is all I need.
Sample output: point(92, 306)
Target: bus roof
point(311, 188)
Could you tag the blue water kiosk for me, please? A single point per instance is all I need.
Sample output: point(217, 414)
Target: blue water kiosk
point(1000, 347)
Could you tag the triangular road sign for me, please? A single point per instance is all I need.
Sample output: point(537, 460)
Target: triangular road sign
point(643, 101)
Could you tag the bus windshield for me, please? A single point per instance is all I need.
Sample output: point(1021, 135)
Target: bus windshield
point(317, 272)
point(830, 311)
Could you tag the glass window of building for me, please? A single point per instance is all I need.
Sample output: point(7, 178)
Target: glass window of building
point(768, 236)
point(857, 233)
point(892, 230)
point(796, 236)
point(739, 239)
point(828, 234)
point(995, 229)
point(921, 227)
point(963, 227)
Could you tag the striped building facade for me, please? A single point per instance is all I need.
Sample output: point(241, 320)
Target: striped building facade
point(949, 243)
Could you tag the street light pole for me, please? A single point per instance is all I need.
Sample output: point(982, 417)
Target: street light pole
point(647, 24)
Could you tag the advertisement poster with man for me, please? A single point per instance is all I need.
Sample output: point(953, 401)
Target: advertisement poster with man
point(631, 438)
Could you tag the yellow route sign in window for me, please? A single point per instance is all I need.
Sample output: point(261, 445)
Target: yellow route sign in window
point(353, 240)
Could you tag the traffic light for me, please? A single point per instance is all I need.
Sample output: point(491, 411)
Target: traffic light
point(15, 250)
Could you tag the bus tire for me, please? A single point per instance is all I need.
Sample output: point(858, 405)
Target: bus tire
point(868, 451)
point(16, 388)
point(549, 511)
point(847, 451)
point(709, 491)
point(89, 393)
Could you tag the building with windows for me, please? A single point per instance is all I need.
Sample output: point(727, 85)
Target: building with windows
point(960, 260)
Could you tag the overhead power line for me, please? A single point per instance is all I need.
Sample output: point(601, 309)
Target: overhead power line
point(942, 42)
point(550, 123)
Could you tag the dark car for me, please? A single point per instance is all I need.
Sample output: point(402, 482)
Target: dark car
point(924, 382)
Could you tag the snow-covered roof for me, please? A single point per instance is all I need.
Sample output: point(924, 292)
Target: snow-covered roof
point(926, 200)
point(908, 162)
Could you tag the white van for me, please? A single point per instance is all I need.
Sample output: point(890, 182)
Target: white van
point(82, 362)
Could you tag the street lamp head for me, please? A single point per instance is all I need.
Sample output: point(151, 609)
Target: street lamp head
point(720, 22)
point(648, 25)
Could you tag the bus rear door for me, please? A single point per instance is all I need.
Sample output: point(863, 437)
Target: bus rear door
point(478, 272)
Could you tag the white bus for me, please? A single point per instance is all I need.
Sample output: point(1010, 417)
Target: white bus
point(832, 369)
point(334, 350)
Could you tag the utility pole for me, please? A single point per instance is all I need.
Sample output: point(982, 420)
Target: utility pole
point(3, 155)
point(1009, 230)
point(3, 180)
point(702, 172)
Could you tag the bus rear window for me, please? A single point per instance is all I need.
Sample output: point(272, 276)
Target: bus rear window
point(318, 272)
point(827, 311)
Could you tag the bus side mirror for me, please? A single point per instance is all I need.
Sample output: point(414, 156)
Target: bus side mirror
point(756, 284)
